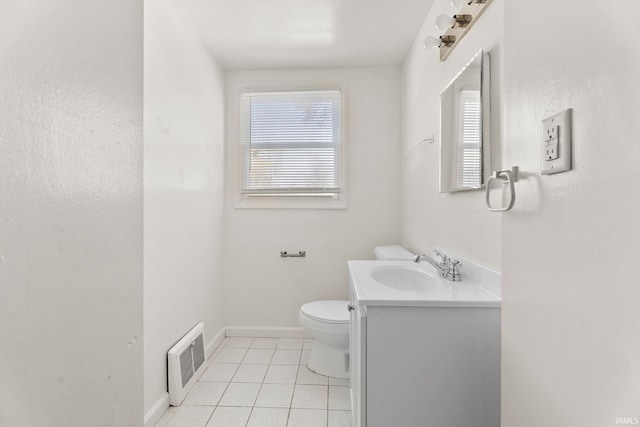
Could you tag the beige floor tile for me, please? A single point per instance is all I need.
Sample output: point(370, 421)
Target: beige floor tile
point(240, 394)
point(281, 374)
point(268, 417)
point(191, 416)
point(339, 398)
point(229, 417)
point(306, 376)
point(310, 397)
point(307, 418)
point(286, 357)
point(205, 393)
point(275, 396)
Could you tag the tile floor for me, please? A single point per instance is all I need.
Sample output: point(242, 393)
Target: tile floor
point(262, 382)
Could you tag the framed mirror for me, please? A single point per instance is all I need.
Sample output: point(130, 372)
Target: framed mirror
point(465, 126)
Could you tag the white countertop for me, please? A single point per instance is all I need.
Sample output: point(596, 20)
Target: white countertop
point(480, 287)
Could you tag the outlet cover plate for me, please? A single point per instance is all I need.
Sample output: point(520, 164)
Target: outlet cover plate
point(556, 143)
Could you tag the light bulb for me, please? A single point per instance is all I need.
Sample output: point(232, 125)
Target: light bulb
point(444, 22)
point(458, 3)
point(431, 42)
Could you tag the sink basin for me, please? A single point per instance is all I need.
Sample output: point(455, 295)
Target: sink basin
point(404, 278)
point(404, 283)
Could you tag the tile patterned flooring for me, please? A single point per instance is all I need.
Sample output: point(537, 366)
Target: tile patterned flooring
point(262, 382)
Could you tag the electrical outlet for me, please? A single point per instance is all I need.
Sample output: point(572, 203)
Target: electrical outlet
point(551, 143)
point(556, 143)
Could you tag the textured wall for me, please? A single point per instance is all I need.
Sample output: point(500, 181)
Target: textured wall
point(456, 222)
point(183, 213)
point(70, 213)
point(263, 289)
point(571, 311)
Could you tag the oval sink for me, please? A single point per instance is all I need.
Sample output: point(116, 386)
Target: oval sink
point(404, 278)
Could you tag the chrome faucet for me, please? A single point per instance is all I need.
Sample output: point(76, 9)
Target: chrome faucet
point(448, 268)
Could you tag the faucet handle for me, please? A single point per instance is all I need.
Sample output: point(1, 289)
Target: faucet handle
point(455, 266)
point(454, 273)
point(445, 259)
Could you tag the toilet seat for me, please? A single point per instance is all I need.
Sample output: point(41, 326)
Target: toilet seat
point(330, 311)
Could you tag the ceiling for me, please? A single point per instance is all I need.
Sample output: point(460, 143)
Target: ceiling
point(271, 34)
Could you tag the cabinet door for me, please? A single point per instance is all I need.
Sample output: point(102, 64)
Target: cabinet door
point(433, 366)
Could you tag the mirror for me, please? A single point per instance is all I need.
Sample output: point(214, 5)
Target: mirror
point(464, 127)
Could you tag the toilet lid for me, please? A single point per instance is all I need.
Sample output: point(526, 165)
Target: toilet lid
point(327, 311)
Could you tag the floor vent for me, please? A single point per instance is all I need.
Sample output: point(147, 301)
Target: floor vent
point(186, 364)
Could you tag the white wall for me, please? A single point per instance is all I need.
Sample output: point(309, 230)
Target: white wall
point(263, 289)
point(183, 173)
point(458, 222)
point(70, 213)
point(571, 292)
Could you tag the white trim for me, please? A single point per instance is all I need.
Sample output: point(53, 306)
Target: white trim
point(293, 202)
point(215, 343)
point(267, 332)
point(157, 411)
point(233, 146)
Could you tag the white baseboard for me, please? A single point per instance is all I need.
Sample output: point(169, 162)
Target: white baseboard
point(215, 342)
point(266, 332)
point(156, 411)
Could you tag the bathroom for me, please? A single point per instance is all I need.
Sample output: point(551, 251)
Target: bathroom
point(88, 315)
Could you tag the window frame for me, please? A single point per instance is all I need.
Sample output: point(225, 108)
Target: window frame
point(256, 201)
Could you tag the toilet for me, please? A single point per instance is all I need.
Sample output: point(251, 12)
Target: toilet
point(393, 253)
point(328, 322)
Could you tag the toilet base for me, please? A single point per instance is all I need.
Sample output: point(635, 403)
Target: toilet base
point(329, 360)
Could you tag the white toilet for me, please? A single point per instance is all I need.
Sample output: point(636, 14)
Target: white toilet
point(328, 323)
point(392, 253)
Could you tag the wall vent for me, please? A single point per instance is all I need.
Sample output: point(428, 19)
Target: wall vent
point(186, 364)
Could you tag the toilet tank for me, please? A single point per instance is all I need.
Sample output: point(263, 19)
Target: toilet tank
point(392, 252)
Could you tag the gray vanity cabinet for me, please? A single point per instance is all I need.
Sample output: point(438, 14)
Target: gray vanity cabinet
point(417, 366)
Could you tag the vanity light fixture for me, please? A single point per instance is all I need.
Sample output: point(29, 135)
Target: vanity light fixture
point(458, 3)
point(456, 27)
point(444, 22)
point(431, 42)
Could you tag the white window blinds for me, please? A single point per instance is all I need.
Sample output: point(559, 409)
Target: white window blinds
point(469, 148)
point(291, 143)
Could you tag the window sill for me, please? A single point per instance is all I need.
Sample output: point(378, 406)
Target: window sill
point(289, 202)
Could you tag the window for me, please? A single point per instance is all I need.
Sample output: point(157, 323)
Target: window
point(469, 135)
point(291, 145)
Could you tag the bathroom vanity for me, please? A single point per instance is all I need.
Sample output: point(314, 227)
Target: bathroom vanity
point(424, 351)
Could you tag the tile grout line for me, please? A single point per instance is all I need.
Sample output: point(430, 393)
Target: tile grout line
point(328, 388)
point(299, 370)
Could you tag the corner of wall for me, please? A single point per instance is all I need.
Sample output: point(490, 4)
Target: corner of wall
point(458, 222)
point(183, 208)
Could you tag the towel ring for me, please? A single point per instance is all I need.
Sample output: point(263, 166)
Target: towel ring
point(508, 176)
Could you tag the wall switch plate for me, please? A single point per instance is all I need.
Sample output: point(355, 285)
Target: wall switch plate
point(556, 143)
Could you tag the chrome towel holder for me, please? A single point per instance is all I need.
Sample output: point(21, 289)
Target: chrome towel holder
point(508, 177)
point(300, 254)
